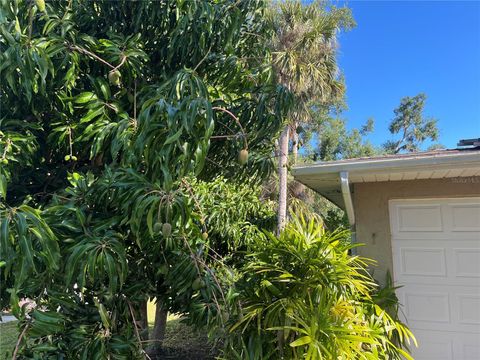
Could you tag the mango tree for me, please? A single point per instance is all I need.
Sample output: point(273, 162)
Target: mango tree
point(119, 122)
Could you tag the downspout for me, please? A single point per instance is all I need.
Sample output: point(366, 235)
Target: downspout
point(347, 199)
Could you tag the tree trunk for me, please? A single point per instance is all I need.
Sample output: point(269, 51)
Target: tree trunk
point(143, 321)
point(295, 143)
point(282, 176)
point(158, 332)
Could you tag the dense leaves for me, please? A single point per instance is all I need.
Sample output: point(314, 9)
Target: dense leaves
point(117, 119)
point(302, 295)
point(124, 129)
point(335, 142)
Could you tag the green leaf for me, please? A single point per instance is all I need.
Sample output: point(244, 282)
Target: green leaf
point(304, 340)
point(92, 113)
point(5, 244)
point(103, 314)
point(3, 186)
point(85, 97)
point(174, 137)
point(24, 239)
point(104, 88)
point(150, 218)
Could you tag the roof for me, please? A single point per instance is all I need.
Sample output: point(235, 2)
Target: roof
point(323, 177)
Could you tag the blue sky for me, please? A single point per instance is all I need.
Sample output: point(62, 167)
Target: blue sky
point(402, 48)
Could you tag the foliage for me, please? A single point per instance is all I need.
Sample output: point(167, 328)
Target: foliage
point(335, 218)
point(112, 271)
point(436, 146)
point(307, 201)
point(413, 127)
point(117, 119)
point(304, 47)
point(234, 213)
point(385, 296)
point(335, 142)
point(303, 296)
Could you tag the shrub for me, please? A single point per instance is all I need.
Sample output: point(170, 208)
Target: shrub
point(302, 296)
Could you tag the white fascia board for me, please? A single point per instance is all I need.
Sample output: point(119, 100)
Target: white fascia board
point(394, 164)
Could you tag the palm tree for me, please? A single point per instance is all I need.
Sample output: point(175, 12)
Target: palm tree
point(304, 47)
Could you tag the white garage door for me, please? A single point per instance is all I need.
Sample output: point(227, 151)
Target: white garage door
point(436, 257)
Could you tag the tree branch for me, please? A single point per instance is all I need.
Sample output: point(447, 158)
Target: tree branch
point(89, 53)
point(17, 346)
point(236, 120)
point(136, 329)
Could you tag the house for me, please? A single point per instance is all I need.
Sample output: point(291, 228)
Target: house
point(418, 216)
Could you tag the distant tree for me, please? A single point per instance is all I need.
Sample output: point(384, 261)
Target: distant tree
point(435, 147)
point(335, 142)
point(413, 126)
point(368, 127)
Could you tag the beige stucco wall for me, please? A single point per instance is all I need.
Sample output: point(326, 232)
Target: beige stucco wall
point(372, 218)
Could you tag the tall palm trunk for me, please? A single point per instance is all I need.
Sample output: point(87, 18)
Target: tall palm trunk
point(294, 143)
point(282, 175)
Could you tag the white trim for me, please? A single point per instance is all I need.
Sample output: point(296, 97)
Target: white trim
point(444, 161)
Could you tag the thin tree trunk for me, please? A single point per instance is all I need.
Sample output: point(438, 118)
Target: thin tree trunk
point(282, 176)
point(158, 332)
point(295, 142)
point(282, 199)
point(144, 320)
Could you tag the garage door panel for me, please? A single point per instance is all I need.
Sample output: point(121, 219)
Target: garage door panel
point(467, 262)
point(419, 218)
point(465, 217)
point(427, 306)
point(449, 262)
point(423, 261)
point(433, 280)
point(440, 345)
point(437, 347)
point(436, 255)
point(435, 307)
point(432, 236)
point(470, 351)
point(468, 309)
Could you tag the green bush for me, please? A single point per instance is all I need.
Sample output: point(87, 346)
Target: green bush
point(302, 296)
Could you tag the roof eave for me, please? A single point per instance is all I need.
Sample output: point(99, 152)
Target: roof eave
point(324, 178)
point(394, 164)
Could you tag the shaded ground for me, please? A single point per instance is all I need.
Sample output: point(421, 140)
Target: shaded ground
point(8, 338)
point(181, 342)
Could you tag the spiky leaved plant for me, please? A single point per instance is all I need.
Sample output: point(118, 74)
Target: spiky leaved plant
point(303, 296)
